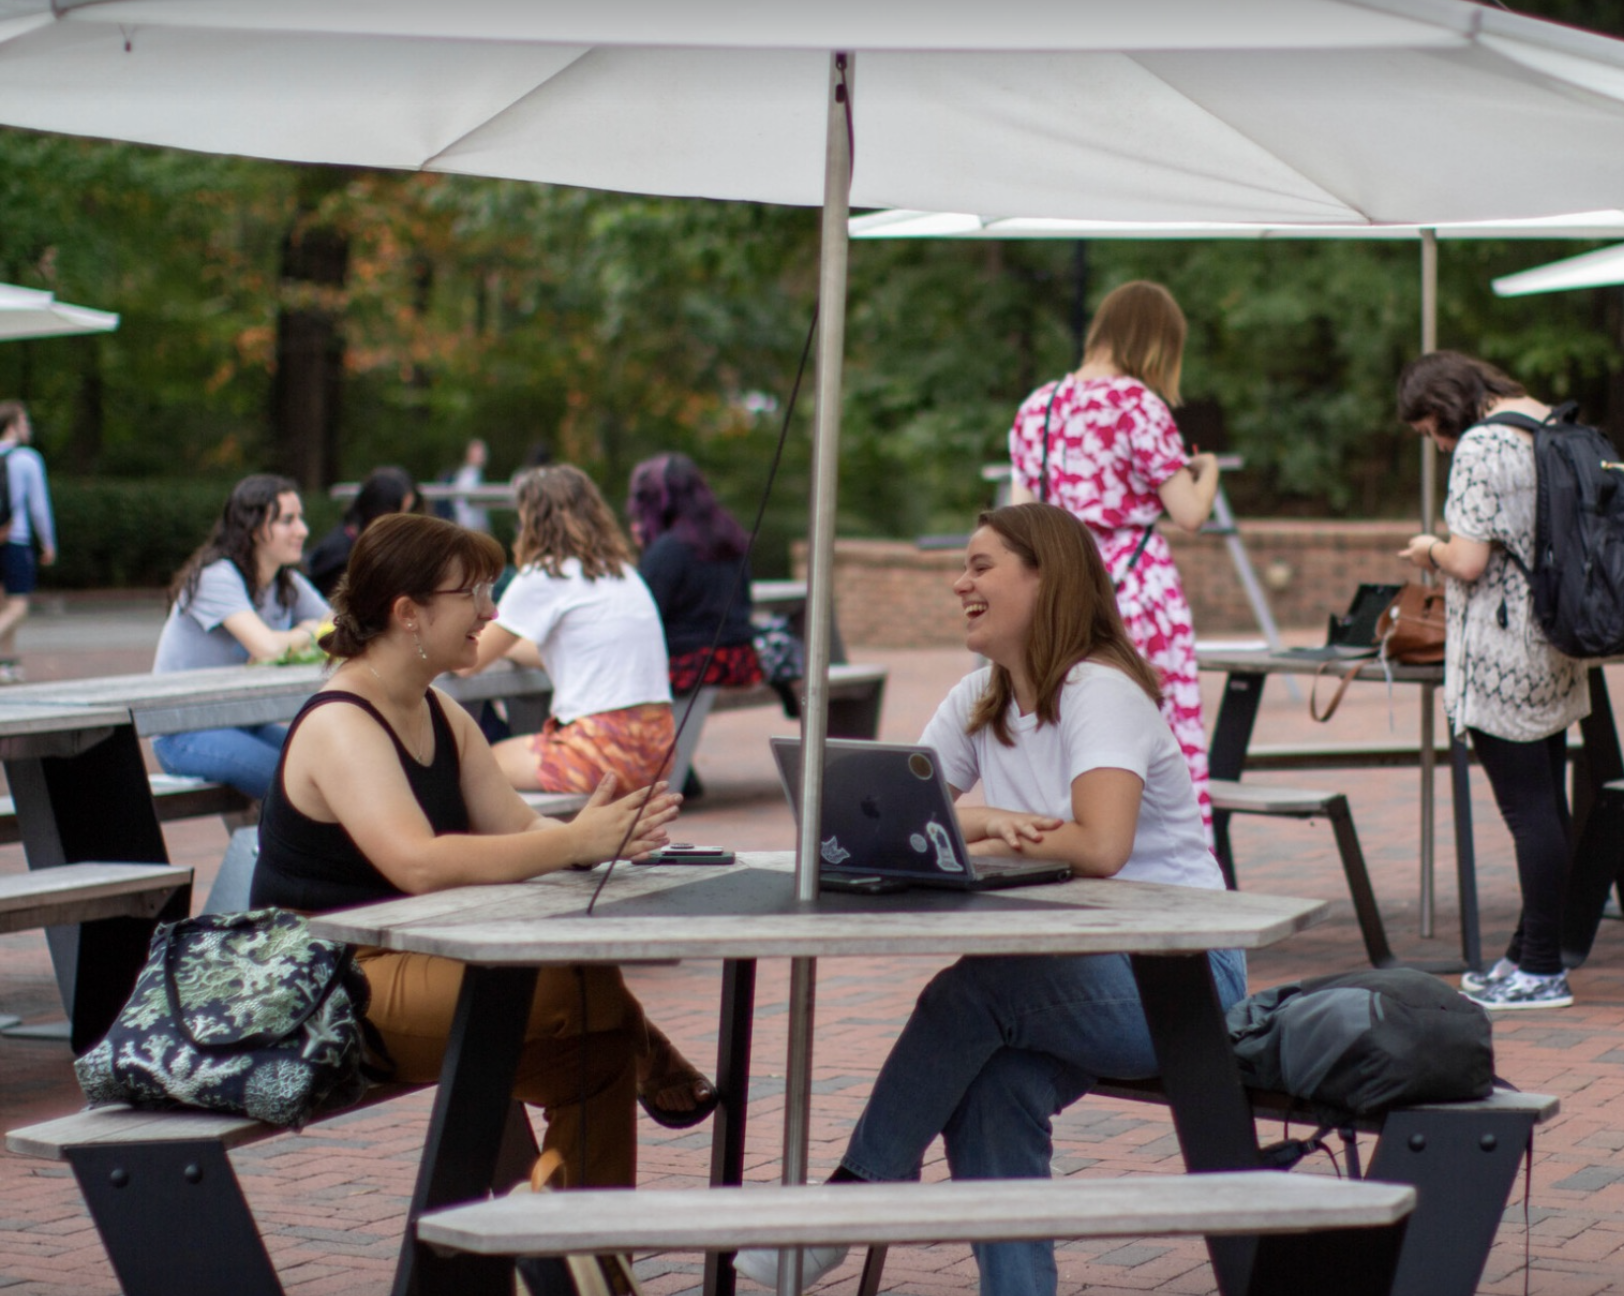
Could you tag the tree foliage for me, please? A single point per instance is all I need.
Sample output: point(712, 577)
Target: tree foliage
point(608, 327)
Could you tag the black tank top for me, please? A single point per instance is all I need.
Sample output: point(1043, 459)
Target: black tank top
point(313, 866)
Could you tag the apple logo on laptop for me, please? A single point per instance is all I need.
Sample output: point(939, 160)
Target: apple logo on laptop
point(870, 806)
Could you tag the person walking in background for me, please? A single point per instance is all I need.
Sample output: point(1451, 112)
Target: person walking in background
point(695, 561)
point(1101, 443)
point(31, 521)
point(464, 512)
point(1504, 684)
point(240, 598)
point(579, 608)
point(385, 491)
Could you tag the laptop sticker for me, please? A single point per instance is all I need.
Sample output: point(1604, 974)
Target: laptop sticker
point(946, 860)
point(833, 852)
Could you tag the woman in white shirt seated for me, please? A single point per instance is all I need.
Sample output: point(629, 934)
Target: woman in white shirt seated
point(1064, 734)
point(239, 599)
point(579, 608)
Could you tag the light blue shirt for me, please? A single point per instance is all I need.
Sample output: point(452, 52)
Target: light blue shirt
point(30, 498)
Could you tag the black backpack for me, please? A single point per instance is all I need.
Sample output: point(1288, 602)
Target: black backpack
point(1360, 1043)
point(1578, 570)
point(5, 495)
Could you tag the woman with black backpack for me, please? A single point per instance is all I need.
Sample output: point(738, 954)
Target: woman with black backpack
point(1504, 684)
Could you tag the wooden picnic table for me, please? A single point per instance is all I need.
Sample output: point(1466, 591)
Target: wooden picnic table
point(1598, 761)
point(78, 780)
point(741, 914)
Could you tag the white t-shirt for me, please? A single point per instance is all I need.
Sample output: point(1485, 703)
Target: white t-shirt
point(601, 640)
point(1106, 722)
point(194, 636)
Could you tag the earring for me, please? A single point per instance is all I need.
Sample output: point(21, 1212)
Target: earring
point(419, 644)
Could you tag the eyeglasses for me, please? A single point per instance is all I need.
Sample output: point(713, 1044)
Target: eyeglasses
point(480, 593)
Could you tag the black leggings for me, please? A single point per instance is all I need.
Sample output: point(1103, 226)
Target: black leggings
point(1529, 782)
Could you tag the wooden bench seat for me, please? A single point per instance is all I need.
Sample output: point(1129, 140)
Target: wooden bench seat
point(1461, 1157)
point(856, 696)
point(173, 796)
point(1232, 797)
point(727, 1219)
point(165, 1174)
point(81, 893)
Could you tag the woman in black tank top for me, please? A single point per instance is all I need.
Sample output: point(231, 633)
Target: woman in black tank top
point(386, 789)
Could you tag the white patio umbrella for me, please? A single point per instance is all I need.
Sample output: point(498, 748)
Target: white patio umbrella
point(1330, 112)
point(1598, 269)
point(1319, 111)
point(32, 313)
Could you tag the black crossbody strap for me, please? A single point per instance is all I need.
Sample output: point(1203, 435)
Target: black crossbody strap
point(1043, 477)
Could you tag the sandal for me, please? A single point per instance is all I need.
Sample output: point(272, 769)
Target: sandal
point(663, 1072)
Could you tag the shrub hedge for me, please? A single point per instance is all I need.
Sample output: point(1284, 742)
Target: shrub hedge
point(114, 534)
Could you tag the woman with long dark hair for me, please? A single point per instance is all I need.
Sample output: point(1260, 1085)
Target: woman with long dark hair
point(387, 788)
point(1504, 684)
point(239, 598)
point(695, 560)
point(1063, 733)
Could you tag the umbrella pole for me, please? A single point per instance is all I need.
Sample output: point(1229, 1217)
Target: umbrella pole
point(819, 623)
point(1429, 495)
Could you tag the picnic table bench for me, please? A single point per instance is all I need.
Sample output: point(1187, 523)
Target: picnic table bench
point(1461, 1158)
point(115, 906)
point(1349, 1231)
point(166, 1174)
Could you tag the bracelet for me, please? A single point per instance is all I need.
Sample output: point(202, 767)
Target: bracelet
point(1432, 554)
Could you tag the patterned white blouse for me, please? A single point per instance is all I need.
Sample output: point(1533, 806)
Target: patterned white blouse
point(1500, 673)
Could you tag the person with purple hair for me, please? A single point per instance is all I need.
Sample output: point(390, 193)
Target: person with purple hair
point(696, 564)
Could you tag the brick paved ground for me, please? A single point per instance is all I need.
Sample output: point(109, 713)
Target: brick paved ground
point(331, 1201)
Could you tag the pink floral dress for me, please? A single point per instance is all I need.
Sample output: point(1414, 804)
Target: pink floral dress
point(1112, 443)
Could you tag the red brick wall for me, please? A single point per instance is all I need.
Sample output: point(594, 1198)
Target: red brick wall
point(889, 594)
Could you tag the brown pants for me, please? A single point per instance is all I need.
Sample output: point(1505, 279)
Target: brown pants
point(582, 1072)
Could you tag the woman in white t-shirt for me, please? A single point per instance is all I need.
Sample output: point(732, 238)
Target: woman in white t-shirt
point(579, 608)
point(239, 599)
point(1064, 734)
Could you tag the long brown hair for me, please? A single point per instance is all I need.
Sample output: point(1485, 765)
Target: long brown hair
point(403, 554)
point(562, 515)
point(1075, 618)
point(1143, 329)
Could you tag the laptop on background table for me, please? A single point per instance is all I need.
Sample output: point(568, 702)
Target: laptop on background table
point(888, 815)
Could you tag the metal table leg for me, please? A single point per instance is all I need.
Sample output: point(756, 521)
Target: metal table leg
point(1213, 1119)
point(95, 804)
point(462, 1151)
point(1226, 758)
point(733, 1083)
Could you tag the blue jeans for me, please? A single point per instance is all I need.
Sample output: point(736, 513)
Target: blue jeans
point(244, 758)
point(995, 1048)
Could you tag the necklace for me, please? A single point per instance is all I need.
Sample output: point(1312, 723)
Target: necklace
point(425, 745)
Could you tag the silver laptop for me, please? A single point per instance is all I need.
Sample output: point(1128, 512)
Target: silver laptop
point(888, 815)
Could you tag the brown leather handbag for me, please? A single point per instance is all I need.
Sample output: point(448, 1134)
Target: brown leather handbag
point(1411, 630)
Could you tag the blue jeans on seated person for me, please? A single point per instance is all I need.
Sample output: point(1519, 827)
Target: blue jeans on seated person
point(244, 758)
point(995, 1048)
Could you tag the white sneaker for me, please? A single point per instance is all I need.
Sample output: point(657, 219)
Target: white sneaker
point(1472, 982)
point(760, 1264)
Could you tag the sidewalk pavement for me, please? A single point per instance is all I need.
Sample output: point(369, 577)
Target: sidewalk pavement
point(331, 1202)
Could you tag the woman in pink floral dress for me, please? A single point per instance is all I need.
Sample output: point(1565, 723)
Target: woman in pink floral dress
point(1101, 443)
